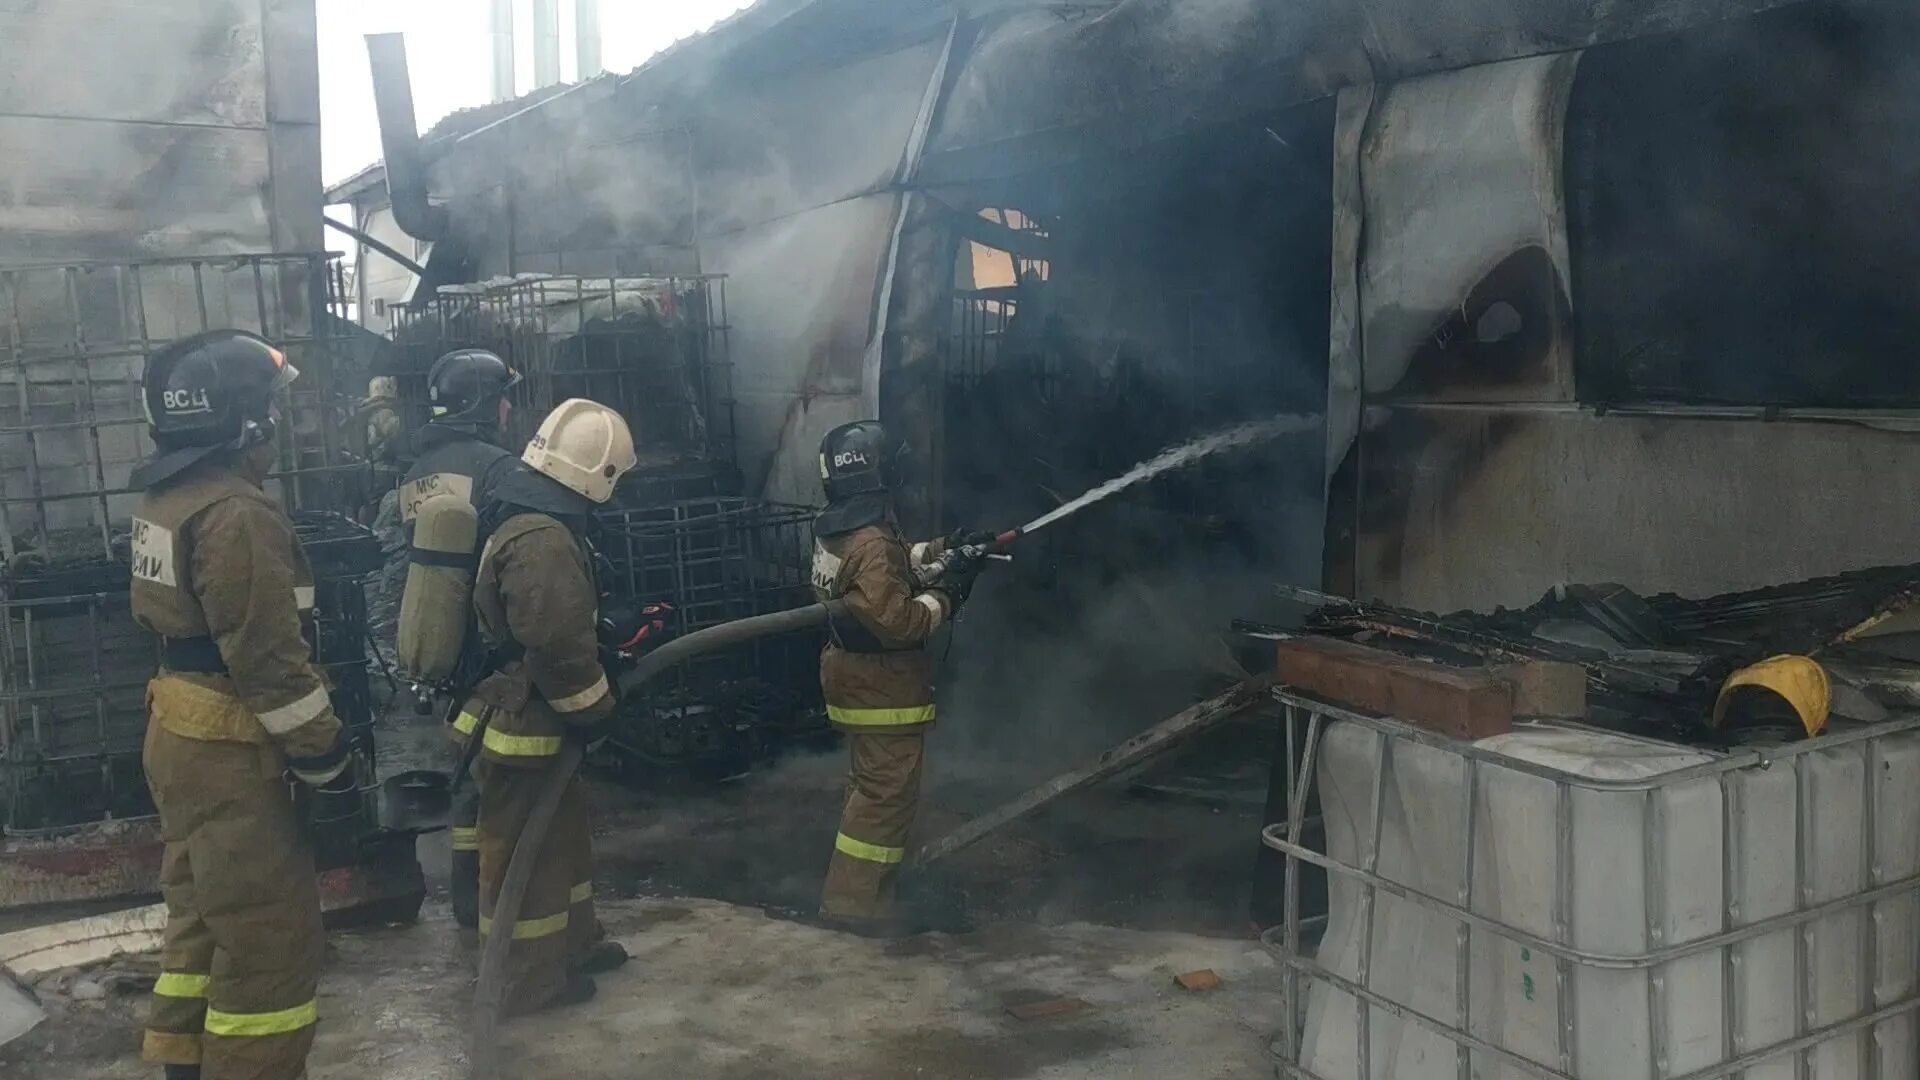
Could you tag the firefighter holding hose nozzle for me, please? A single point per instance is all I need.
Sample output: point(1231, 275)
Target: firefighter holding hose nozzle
point(535, 601)
point(874, 671)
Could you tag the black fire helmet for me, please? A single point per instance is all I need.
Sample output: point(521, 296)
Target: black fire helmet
point(858, 459)
point(209, 392)
point(465, 387)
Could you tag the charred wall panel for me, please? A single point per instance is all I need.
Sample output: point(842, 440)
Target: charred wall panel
point(788, 186)
point(1723, 251)
point(1474, 509)
point(1463, 273)
point(802, 292)
point(1742, 211)
point(1051, 84)
point(183, 62)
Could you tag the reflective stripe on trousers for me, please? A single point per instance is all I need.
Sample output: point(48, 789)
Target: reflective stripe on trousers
point(860, 849)
point(181, 984)
point(254, 1025)
point(883, 794)
point(557, 908)
point(243, 943)
point(508, 745)
point(905, 716)
point(531, 929)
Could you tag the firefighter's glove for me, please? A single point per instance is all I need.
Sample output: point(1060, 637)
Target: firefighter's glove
point(338, 798)
point(596, 733)
point(960, 538)
point(631, 628)
point(956, 585)
point(336, 766)
point(336, 809)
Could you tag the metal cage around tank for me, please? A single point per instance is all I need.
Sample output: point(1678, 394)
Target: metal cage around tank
point(716, 560)
point(1864, 919)
point(655, 348)
point(72, 425)
point(74, 668)
point(73, 664)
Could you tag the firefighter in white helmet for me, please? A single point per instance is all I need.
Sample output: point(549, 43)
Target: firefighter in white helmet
point(535, 600)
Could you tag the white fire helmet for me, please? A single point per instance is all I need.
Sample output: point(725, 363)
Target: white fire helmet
point(584, 445)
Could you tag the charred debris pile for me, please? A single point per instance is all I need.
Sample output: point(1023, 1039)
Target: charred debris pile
point(1763, 666)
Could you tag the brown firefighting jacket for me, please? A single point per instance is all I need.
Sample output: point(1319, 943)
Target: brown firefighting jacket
point(215, 561)
point(535, 598)
point(875, 672)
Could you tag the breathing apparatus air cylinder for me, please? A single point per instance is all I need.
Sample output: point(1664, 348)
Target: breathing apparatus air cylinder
point(435, 606)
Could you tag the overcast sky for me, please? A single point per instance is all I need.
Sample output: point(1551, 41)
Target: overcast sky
point(450, 56)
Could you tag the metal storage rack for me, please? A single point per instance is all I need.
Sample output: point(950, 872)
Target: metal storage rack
point(716, 560)
point(1293, 943)
point(74, 668)
point(73, 664)
point(653, 348)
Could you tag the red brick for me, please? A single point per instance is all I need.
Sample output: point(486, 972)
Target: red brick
point(1204, 979)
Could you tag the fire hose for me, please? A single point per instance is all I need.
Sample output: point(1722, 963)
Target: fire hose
point(490, 989)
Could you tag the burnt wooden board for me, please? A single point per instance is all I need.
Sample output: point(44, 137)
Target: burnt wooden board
point(1465, 703)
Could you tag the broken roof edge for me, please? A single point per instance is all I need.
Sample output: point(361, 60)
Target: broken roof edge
point(736, 29)
point(463, 124)
point(356, 185)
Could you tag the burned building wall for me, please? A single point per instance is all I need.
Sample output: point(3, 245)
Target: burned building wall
point(1781, 203)
point(1184, 289)
point(1703, 251)
point(783, 183)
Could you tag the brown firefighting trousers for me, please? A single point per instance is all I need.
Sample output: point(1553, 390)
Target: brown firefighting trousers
point(243, 945)
point(883, 791)
point(556, 926)
point(463, 884)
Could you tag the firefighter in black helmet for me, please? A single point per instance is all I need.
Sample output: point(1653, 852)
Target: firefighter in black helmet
point(220, 577)
point(461, 451)
point(461, 448)
point(874, 671)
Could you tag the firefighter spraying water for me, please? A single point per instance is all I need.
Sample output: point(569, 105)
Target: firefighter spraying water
point(1239, 436)
point(882, 599)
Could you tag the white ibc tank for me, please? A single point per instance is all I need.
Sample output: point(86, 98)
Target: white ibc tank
point(1680, 859)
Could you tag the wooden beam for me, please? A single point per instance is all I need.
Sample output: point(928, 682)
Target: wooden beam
point(1150, 743)
point(1468, 703)
point(40, 949)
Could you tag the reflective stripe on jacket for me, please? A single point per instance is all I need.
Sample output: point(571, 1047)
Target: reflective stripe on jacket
point(883, 680)
point(535, 589)
point(215, 557)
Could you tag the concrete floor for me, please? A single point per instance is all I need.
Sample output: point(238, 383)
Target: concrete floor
point(721, 992)
point(1103, 897)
